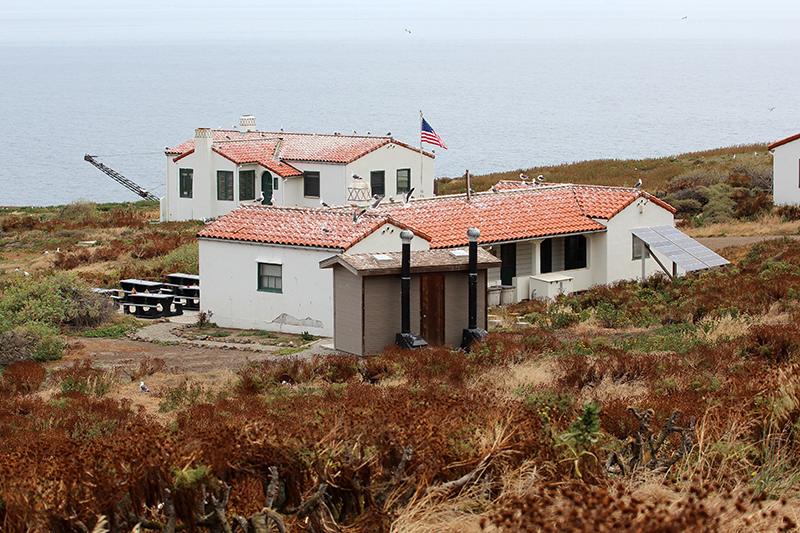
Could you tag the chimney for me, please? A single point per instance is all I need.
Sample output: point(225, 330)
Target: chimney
point(247, 123)
point(473, 332)
point(406, 339)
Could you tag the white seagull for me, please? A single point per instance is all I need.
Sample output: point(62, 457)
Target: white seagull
point(354, 175)
point(523, 177)
point(260, 198)
point(376, 200)
point(494, 189)
point(322, 203)
point(540, 178)
point(143, 387)
point(358, 213)
point(638, 183)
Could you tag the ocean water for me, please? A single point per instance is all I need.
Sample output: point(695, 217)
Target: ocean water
point(499, 105)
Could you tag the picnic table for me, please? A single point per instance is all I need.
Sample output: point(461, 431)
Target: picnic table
point(140, 285)
point(183, 279)
point(185, 287)
point(151, 305)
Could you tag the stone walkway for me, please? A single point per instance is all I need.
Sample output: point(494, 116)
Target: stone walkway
point(162, 333)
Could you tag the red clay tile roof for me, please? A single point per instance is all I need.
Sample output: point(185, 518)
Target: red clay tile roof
point(299, 226)
point(597, 201)
point(256, 151)
point(783, 141)
point(514, 214)
point(297, 146)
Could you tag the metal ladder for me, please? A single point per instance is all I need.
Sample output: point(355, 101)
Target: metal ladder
point(144, 193)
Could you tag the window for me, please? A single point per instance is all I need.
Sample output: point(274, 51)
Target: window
point(247, 185)
point(574, 252)
point(275, 183)
point(186, 182)
point(311, 184)
point(403, 180)
point(638, 247)
point(269, 277)
point(224, 185)
point(377, 182)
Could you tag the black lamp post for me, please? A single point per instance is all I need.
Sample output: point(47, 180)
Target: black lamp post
point(473, 332)
point(406, 339)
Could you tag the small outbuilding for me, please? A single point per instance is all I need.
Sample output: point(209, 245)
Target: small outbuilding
point(367, 297)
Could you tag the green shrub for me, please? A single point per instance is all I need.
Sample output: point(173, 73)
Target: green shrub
point(549, 404)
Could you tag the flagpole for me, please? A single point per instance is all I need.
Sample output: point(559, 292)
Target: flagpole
point(421, 181)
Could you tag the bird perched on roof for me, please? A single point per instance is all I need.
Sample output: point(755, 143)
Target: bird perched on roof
point(638, 183)
point(391, 199)
point(322, 203)
point(407, 197)
point(471, 191)
point(494, 189)
point(143, 387)
point(354, 175)
point(376, 201)
point(523, 177)
point(540, 178)
point(260, 199)
point(358, 213)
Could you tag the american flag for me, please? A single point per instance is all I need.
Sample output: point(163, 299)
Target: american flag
point(429, 136)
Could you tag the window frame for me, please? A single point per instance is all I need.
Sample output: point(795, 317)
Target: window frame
point(264, 280)
point(398, 188)
point(381, 174)
point(576, 252)
point(643, 249)
point(185, 176)
point(247, 185)
point(225, 185)
point(308, 179)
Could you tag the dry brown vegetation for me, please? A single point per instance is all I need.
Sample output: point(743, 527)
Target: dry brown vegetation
point(502, 439)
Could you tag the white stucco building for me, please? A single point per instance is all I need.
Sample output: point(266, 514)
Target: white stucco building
point(213, 173)
point(260, 264)
point(786, 170)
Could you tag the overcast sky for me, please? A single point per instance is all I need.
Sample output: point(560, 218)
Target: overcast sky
point(76, 21)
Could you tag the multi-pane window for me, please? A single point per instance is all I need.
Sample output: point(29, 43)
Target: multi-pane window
point(269, 277)
point(377, 182)
point(186, 182)
point(311, 184)
point(224, 185)
point(574, 252)
point(403, 180)
point(247, 185)
point(639, 248)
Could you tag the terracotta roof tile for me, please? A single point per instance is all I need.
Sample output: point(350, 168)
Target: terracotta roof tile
point(515, 214)
point(296, 146)
point(259, 151)
point(299, 226)
point(783, 141)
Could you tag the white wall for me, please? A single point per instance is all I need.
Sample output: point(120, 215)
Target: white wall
point(229, 287)
point(619, 241)
point(391, 157)
point(786, 173)
point(229, 282)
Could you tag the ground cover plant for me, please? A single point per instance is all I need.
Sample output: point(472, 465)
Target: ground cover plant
point(663, 406)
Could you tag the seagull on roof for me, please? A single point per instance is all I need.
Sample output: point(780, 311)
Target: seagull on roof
point(260, 199)
point(355, 176)
point(376, 200)
point(322, 203)
point(358, 213)
point(540, 178)
point(407, 197)
point(143, 387)
point(494, 189)
point(523, 177)
point(638, 183)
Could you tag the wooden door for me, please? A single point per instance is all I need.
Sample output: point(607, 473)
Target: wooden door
point(431, 308)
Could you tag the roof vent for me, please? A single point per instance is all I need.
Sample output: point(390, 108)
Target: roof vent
point(459, 253)
point(382, 258)
point(247, 123)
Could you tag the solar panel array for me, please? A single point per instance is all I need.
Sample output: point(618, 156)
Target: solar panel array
point(684, 251)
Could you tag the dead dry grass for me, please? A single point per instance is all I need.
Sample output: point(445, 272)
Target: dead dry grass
point(768, 224)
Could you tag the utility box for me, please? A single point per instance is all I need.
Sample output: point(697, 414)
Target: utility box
point(549, 286)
